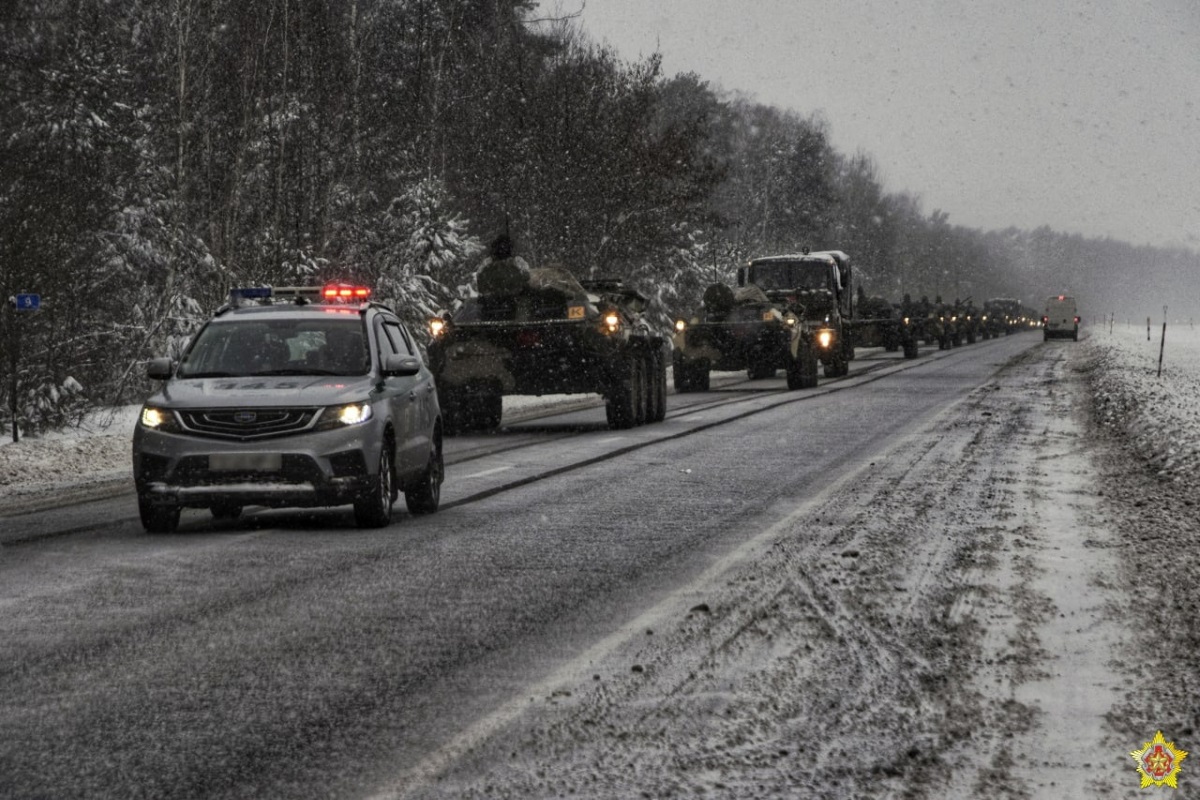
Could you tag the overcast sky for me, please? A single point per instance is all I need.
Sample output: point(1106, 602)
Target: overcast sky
point(1084, 116)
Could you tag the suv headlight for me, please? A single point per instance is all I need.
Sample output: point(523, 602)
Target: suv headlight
point(343, 416)
point(158, 419)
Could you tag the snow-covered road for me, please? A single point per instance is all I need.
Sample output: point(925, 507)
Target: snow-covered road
point(966, 627)
point(1000, 604)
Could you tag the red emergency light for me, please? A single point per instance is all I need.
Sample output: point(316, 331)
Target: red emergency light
point(341, 291)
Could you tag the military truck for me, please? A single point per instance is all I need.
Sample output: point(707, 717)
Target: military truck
point(536, 331)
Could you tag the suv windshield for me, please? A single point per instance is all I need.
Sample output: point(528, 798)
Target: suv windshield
point(294, 346)
point(787, 275)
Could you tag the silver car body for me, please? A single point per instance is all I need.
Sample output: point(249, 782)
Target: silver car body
point(267, 437)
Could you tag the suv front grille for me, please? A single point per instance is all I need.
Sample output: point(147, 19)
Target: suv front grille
point(247, 423)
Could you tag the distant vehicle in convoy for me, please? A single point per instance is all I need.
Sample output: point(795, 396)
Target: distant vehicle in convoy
point(878, 323)
point(304, 396)
point(536, 331)
point(789, 312)
point(1061, 318)
point(1002, 315)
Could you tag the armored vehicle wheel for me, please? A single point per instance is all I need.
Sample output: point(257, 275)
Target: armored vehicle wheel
point(837, 367)
point(489, 410)
point(970, 337)
point(760, 369)
point(912, 349)
point(424, 495)
point(658, 388)
point(802, 373)
point(691, 377)
point(451, 406)
point(476, 409)
point(226, 511)
point(620, 405)
point(158, 518)
point(373, 509)
point(641, 386)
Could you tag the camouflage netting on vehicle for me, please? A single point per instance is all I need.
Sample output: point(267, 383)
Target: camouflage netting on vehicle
point(503, 276)
point(719, 298)
point(556, 279)
point(750, 294)
point(514, 276)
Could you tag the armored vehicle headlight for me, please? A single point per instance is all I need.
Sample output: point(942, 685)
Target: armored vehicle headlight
point(906, 320)
point(159, 419)
point(680, 325)
point(825, 338)
point(342, 416)
point(790, 320)
point(437, 326)
point(612, 321)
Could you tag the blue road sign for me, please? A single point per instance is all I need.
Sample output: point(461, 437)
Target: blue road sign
point(29, 302)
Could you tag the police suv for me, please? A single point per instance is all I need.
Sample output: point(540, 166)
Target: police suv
point(291, 396)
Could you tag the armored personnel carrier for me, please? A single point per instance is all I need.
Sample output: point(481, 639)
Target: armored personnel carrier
point(786, 313)
point(735, 330)
point(536, 331)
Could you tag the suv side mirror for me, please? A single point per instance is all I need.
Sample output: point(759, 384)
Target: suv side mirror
point(398, 366)
point(159, 369)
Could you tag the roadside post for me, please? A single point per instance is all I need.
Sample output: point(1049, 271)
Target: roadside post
point(1147, 329)
point(17, 303)
point(1163, 343)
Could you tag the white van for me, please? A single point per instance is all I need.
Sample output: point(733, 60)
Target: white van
point(1061, 318)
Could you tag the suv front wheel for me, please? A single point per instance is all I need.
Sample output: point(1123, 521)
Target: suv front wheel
point(424, 495)
point(373, 509)
point(158, 517)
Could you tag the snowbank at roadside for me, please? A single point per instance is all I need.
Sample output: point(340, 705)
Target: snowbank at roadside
point(98, 452)
point(1160, 415)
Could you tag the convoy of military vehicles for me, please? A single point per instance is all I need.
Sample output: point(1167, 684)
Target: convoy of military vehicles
point(542, 331)
point(523, 331)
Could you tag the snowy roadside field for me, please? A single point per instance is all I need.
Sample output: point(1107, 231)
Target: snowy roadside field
point(1159, 415)
point(1151, 488)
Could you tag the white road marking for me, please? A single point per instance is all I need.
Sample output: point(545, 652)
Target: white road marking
point(491, 471)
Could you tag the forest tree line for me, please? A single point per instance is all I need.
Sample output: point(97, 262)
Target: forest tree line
point(157, 153)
